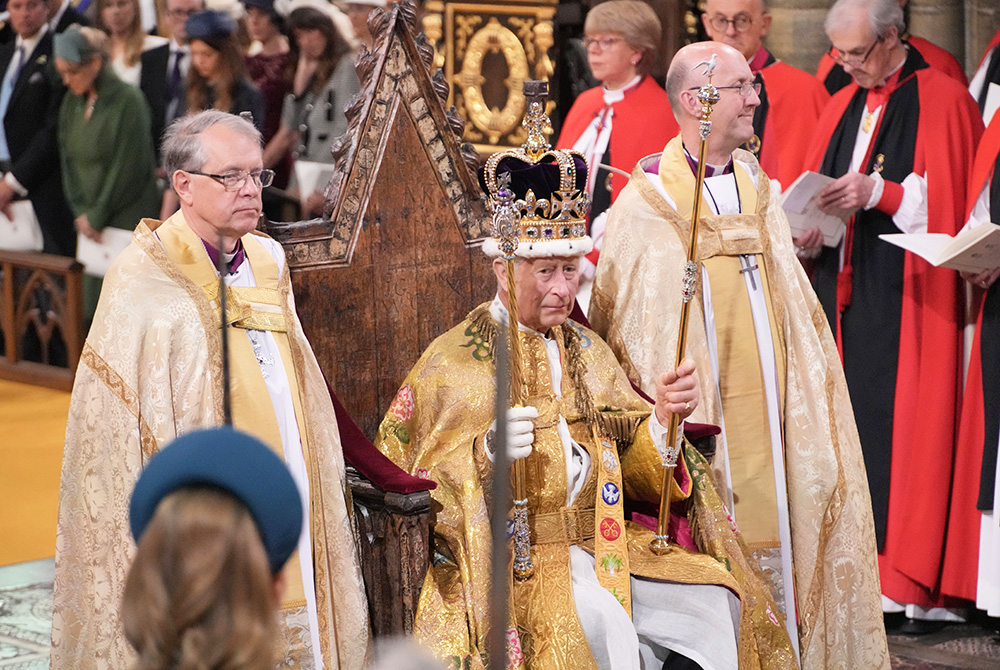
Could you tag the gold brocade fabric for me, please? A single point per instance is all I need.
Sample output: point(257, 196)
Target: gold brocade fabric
point(833, 541)
point(151, 371)
point(434, 429)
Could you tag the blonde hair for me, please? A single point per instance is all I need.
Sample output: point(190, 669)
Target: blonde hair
point(200, 593)
point(136, 37)
point(634, 20)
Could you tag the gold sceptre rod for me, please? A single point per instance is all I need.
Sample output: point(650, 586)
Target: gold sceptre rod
point(506, 220)
point(708, 95)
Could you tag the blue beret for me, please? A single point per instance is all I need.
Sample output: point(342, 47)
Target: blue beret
point(236, 463)
point(209, 25)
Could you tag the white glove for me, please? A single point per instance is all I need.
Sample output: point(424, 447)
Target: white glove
point(520, 433)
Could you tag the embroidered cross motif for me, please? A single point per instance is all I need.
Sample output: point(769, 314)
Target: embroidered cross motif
point(745, 262)
point(262, 358)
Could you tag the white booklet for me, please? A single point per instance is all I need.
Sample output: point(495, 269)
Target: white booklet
point(21, 233)
point(312, 176)
point(96, 257)
point(800, 204)
point(972, 250)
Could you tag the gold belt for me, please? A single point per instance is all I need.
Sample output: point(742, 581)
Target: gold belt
point(570, 524)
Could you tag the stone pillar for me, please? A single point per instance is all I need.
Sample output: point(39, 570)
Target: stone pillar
point(941, 22)
point(982, 20)
point(796, 34)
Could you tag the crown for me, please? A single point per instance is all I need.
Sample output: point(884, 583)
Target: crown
point(537, 194)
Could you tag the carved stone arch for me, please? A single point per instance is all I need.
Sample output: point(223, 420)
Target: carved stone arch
point(396, 259)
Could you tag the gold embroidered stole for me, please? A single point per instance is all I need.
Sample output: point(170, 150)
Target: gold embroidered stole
point(256, 308)
point(722, 239)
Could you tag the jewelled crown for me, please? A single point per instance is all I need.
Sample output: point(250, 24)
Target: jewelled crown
point(537, 194)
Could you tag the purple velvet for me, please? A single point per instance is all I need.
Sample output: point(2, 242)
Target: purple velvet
point(541, 178)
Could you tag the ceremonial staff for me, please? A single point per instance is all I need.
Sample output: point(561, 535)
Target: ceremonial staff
point(223, 269)
point(708, 95)
point(505, 220)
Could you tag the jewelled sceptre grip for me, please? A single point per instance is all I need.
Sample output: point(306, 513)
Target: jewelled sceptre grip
point(708, 95)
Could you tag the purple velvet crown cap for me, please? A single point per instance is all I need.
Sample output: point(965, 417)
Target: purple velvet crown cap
point(540, 178)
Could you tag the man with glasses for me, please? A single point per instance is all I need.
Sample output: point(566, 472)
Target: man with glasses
point(831, 70)
point(790, 100)
point(788, 454)
point(153, 369)
point(900, 142)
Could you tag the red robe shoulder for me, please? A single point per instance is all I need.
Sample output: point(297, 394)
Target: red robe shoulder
point(915, 566)
point(643, 124)
point(795, 102)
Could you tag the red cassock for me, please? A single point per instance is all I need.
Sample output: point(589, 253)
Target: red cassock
point(922, 558)
point(643, 123)
point(795, 101)
point(963, 541)
point(936, 57)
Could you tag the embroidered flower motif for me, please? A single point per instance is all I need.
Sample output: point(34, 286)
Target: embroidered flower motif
point(771, 616)
point(732, 521)
point(423, 473)
point(612, 563)
point(515, 656)
point(402, 404)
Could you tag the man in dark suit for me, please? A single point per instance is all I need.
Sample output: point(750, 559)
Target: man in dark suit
point(30, 95)
point(61, 15)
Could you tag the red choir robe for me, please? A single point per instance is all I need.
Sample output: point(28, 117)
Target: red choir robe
point(834, 78)
point(643, 123)
point(970, 493)
point(791, 103)
point(942, 122)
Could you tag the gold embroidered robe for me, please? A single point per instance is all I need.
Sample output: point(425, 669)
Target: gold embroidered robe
point(151, 371)
point(636, 307)
point(434, 429)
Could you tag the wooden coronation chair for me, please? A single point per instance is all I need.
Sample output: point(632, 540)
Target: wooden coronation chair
point(394, 262)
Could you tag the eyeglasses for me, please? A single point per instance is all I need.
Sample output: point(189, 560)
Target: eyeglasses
point(852, 58)
point(234, 181)
point(602, 43)
point(182, 13)
point(741, 23)
point(744, 88)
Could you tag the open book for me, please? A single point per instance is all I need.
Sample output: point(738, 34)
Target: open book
point(800, 204)
point(972, 250)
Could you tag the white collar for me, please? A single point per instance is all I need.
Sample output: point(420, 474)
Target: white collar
point(499, 312)
point(30, 43)
point(611, 97)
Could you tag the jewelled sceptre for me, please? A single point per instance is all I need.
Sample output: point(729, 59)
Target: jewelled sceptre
point(505, 223)
point(708, 95)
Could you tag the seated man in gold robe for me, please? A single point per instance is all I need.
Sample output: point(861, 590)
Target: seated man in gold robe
point(589, 441)
point(152, 370)
point(788, 460)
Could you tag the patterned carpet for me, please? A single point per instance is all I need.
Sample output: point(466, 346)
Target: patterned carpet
point(25, 625)
point(26, 612)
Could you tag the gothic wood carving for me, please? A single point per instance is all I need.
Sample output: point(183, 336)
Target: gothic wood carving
point(41, 318)
point(396, 260)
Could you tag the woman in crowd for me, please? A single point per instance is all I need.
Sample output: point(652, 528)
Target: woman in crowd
point(105, 144)
point(267, 64)
point(138, 59)
point(205, 585)
point(625, 118)
point(323, 80)
point(217, 78)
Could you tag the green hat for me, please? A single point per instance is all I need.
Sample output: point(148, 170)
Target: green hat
point(72, 46)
